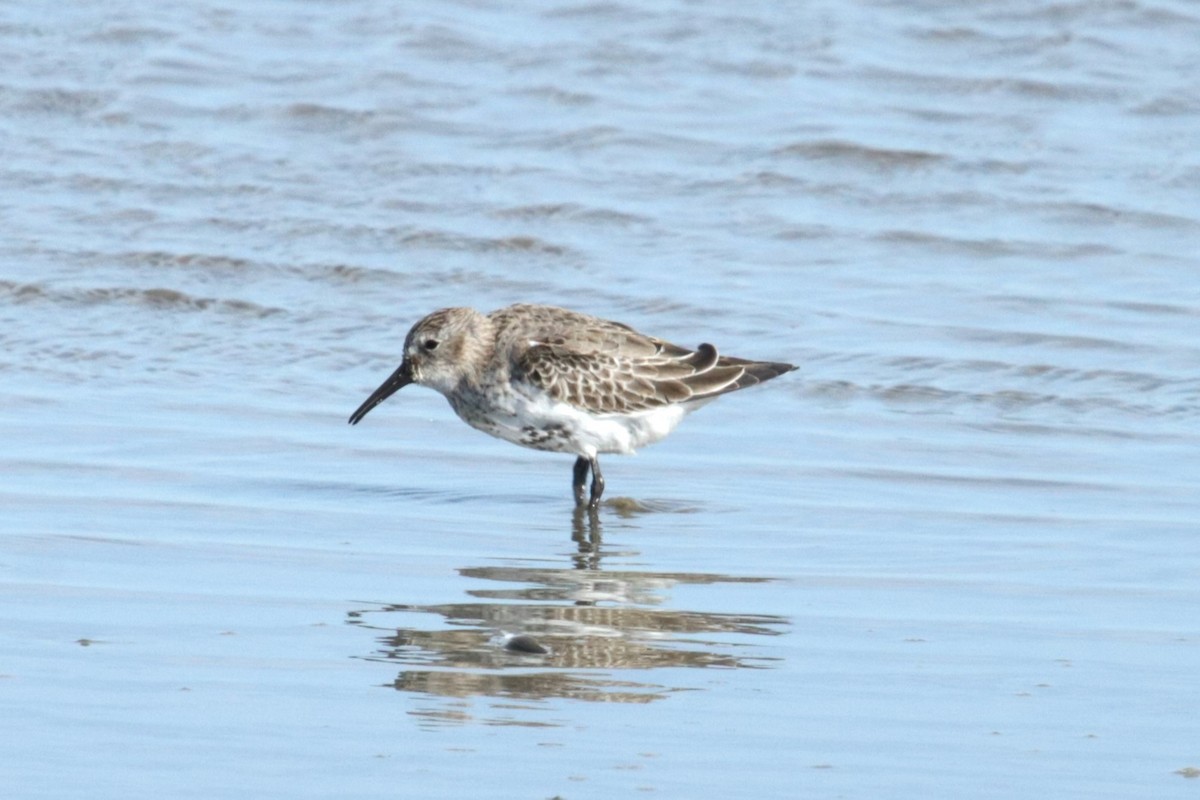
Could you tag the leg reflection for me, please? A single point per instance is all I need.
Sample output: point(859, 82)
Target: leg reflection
point(585, 532)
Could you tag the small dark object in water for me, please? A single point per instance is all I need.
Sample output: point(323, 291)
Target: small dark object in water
point(524, 643)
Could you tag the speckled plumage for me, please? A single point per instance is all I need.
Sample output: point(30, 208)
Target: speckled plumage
point(557, 380)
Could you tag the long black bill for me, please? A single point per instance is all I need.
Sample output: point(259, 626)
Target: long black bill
point(396, 381)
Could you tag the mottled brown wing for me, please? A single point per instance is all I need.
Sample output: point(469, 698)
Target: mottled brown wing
point(632, 372)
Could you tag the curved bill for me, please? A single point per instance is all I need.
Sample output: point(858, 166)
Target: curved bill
point(396, 381)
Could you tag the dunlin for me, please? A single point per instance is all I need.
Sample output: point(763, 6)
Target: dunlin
point(556, 380)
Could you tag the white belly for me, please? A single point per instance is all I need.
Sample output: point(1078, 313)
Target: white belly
point(545, 424)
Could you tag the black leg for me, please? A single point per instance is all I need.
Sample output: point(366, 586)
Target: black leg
point(579, 476)
point(597, 484)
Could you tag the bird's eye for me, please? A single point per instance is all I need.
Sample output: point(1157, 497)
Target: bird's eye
point(430, 344)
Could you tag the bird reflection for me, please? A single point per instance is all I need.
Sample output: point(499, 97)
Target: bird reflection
point(603, 632)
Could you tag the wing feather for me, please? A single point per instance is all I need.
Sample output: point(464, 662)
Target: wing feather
point(610, 382)
point(607, 367)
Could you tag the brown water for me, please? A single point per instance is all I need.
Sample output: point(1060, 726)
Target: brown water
point(955, 556)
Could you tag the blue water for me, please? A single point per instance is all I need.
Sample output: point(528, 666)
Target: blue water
point(955, 555)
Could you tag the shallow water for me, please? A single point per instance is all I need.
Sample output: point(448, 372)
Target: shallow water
point(955, 555)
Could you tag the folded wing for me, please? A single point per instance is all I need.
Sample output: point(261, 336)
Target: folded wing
point(630, 372)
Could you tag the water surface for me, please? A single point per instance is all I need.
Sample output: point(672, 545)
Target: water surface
point(955, 555)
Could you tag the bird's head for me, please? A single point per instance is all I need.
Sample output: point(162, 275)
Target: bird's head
point(441, 351)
